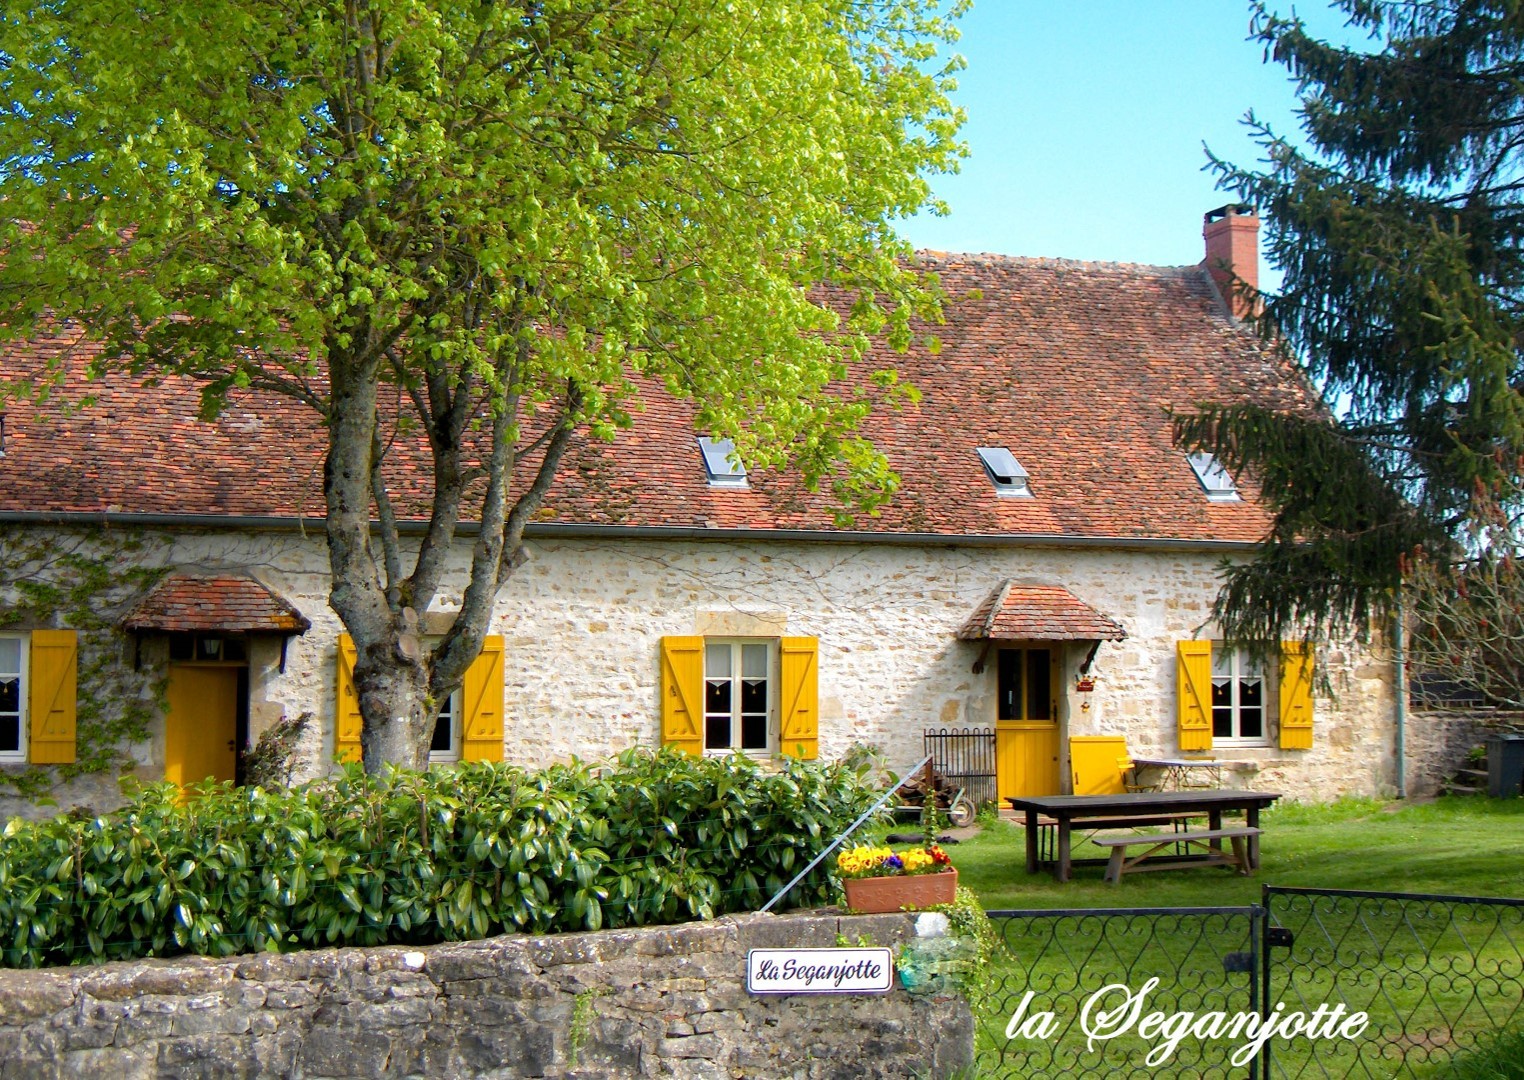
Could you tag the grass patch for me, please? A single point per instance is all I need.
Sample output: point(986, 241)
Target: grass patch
point(1448, 976)
point(1457, 845)
point(1499, 1059)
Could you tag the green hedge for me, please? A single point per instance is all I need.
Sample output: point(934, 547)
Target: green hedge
point(420, 857)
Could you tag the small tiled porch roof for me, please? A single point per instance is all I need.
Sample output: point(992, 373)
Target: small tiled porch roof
point(1038, 613)
point(215, 603)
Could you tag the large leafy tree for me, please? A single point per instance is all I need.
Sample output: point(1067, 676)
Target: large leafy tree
point(467, 230)
point(1397, 222)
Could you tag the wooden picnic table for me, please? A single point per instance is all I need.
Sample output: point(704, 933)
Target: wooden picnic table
point(1132, 809)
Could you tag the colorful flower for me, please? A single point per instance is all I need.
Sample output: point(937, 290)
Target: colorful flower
point(866, 861)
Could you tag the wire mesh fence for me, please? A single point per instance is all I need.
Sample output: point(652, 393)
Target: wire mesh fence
point(1438, 976)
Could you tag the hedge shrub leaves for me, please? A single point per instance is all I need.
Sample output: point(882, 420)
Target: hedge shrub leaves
point(448, 854)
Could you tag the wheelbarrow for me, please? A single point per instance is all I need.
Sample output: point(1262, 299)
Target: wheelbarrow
point(930, 787)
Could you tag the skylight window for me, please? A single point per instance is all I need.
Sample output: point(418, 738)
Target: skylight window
point(1006, 472)
point(1215, 481)
point(721, 464)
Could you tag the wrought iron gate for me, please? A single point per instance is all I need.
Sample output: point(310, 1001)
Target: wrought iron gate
point(1439, 978)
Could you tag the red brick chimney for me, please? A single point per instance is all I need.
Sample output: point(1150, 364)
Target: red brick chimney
point(1232, 254)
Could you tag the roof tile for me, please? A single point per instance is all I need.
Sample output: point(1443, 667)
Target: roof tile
point(1038, 613)
point(1071, 365)
point(222, 603)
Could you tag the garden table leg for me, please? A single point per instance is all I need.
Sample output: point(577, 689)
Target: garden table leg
point(1032, 840)
point(1062, 870)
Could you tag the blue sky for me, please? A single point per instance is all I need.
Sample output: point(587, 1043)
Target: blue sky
point(1086, 120)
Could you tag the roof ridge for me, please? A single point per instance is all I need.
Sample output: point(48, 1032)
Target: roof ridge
point(992, 258)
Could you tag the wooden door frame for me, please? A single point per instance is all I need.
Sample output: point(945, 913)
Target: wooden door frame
point(1059, 702)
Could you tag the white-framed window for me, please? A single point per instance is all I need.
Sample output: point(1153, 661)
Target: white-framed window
point(444, 747)
point(1214, 479)
point(13, 687)
point(1240, 697)
point(739, 684)
point(722, 465)
point(1005, 472)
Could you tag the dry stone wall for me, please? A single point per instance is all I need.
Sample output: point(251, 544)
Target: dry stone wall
point(653, 1002)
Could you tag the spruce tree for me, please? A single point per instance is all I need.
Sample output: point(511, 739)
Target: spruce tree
point(1397, 226)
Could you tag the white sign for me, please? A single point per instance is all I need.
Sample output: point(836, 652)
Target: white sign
point(819, 971)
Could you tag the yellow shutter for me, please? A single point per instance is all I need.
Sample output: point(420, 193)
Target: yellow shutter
point(682, 693)
point(348, 724)
point(1296, 696)
point(53, 670)
point(482, 691)
point(799, 721)
point(1194, 690)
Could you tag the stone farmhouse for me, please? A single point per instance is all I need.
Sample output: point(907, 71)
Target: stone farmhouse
point(1046, 570)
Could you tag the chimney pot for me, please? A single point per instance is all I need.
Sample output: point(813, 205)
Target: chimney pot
point(1231, 234)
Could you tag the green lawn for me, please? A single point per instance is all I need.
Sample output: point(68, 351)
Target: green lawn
point(1443, 982)
point(1465, 846)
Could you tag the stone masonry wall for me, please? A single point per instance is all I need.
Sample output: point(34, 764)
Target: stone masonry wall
point(1439, 739)
point(654, 1002)
point(583, 621)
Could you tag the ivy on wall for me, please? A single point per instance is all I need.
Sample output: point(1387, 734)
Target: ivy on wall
point(83, 581)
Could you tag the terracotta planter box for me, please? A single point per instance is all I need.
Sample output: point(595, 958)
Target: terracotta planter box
point(877, 895)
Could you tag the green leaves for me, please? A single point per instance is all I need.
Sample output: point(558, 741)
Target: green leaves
point(419, 857)
point(657, 186)
point(460, 232)
point(1398, 229)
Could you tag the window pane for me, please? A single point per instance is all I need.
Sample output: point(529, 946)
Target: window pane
point(754, 695)
point(1251, 723)
point(441, 743)
point(10, 734)
point(10, 656)
point(1222, 661)
point(1039, 684)
point(1008, 684)
point(10, 695)
point(754, 732)
point(1222, 707)
point(717, 696)
point(717, 733)
point(1251, 692)
point(716, 661)
point(754, 661)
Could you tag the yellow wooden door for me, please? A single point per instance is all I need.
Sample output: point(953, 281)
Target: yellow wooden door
point(201, 726)
point(1026, 721)
point(1026, 757)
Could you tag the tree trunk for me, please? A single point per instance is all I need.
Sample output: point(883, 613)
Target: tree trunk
point(391, 677)
point(395, 703)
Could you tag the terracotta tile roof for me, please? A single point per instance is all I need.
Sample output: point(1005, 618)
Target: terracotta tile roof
point(1038, 613)
point(215, 602)
point(1071, 365)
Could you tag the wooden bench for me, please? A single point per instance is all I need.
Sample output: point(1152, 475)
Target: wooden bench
point(1208, 839)
point(1047, 830)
